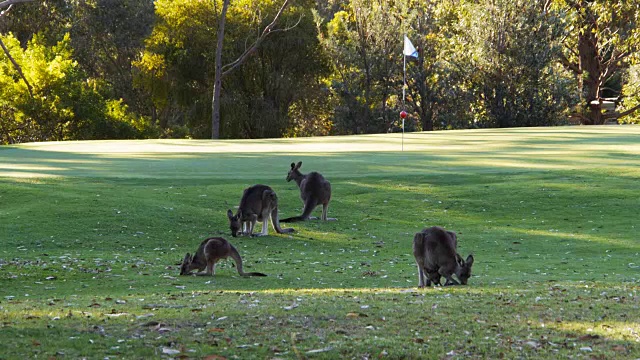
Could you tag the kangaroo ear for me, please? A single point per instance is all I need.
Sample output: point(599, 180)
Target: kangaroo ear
point(299, 164)
point(418, 236)
point(293, 166)
point(187, 258)
point(459, 260)
point(469, 261)
point(229, 213)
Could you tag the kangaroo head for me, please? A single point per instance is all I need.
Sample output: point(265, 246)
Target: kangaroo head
point(464, 268)
point(295, 171)
point(186, 268)
point(235, 222)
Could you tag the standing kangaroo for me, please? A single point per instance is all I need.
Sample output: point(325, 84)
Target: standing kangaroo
point(314, 190)
point(435, 251)
point(258, 203)
point(209, 252)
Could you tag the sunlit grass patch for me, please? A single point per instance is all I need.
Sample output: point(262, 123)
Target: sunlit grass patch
point(93, 234)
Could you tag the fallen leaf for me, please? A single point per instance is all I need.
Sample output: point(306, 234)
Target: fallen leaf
point(214, 357)
point(116, 314)
point(35, 342)
point(170, 351)
point(533, 344)
point(619, 348)
point(319, 350)
point(215, 330)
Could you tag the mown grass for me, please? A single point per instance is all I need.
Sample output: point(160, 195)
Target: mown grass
point(93, 233)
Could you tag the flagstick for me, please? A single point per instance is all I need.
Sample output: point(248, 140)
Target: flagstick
point(404, 88)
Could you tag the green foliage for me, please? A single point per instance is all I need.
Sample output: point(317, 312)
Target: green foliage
point(107, 36)
point(51, 19)
point(338, 69)
point(282, 80)
point(631, 95)
point(600, 39)
point(364, 43)
point(511, 61)
point(65, 105)
point(177, 67)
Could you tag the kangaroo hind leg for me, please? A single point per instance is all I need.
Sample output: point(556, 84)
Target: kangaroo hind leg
point(325, 210)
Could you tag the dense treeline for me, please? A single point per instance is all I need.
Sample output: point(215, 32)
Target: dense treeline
point(97, 69)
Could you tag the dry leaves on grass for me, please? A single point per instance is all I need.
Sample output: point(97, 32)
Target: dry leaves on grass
point(214, 357)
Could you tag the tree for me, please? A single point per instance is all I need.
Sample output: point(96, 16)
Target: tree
point(261, 83)
point(600, 37)
point(64, 103)
point(631, 93)
point(431, 76)
point(364, 43)
point(221, 71)
point(107, 36)
point(506, 53)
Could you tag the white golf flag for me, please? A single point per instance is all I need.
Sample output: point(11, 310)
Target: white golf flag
point(409, 49)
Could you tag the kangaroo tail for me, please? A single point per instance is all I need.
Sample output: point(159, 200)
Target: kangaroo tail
point(275, 221)
point(293, 219)
point(308, 209)
point(235, 255)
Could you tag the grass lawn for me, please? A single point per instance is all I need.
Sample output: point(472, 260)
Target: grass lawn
point(93, 234)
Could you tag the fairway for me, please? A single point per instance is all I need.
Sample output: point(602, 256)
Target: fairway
point(93, 234)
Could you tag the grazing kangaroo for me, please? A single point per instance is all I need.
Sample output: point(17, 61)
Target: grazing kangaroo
point(435, 251)
point(210, 251)
point(258, 203)
point(314, 190)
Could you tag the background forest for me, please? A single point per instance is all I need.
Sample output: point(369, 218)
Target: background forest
point(116, 69)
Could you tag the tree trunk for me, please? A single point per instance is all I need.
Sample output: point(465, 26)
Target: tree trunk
point(591, 70)
point(220, 70)
point(217, 81)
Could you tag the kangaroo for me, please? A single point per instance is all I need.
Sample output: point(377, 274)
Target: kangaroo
point(435, 251)
point(258, 203)
point(314, 190)
point(209, 252)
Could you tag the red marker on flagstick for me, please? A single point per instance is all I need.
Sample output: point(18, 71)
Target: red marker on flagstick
point(403, 114)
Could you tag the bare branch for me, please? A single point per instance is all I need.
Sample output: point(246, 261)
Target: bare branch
point(269, 29)
point(5, 11)
point(11, 2)
point(570, 65)
point(629, 111)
